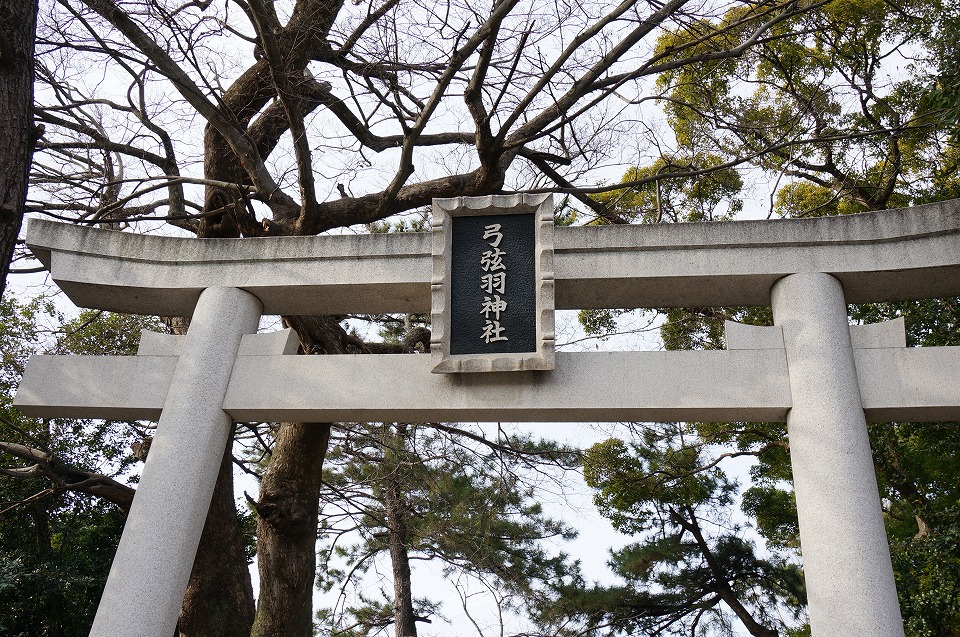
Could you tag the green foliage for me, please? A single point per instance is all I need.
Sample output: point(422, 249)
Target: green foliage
point(20, 333)
point(693, 570)
point(818, 106)
point(928, 572)
point(805, 199)
point(635, 483)
point(918, 468)
point(56, 546)
point(703, 328)
point(565, 216)
point(394, 328)
point(775, 511)
point(370, 616)
point(416, 221)
point(818, 110)
point(465, 506)
point(929, 322)
point(943, 75)
point(600, 323)
point(54, 557)
point(655, 196)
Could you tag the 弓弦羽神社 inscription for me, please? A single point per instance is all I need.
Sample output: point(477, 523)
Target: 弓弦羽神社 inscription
point(492, 292)
point(495, 280)
point(493, 284)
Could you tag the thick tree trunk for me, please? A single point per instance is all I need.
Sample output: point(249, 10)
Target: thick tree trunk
point(289, 504)
point(18, 22)
point(404, 617)
point(288, 511)
point(219, 598)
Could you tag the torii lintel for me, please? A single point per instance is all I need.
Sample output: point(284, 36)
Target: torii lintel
point(892, 255)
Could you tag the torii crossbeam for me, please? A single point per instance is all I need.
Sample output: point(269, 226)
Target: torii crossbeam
point(811, 369)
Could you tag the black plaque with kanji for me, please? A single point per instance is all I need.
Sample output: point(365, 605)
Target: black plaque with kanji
point(493, 306)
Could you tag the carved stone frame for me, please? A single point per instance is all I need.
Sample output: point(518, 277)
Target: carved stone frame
point(443, 211)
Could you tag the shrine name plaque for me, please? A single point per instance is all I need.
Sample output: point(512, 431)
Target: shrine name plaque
point(492, 288)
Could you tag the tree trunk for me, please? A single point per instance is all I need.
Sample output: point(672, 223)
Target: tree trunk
point(18, 23)
point(54, 619)
point(219, 598)
point(288, 511)
point(404, 617)
point(688, 520)
point(289, 504)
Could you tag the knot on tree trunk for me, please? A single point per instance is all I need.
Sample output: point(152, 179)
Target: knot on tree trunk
point(280, 508)
point(142, 448)
point(417, 340)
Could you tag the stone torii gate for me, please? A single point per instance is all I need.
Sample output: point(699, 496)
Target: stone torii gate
point(811, 369)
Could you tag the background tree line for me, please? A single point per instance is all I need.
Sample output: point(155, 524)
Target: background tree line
point(253, 118)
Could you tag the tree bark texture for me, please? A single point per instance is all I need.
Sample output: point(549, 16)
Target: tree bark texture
point(18, 22)
point(404, 618)
point(288, 510)
point(219, 598)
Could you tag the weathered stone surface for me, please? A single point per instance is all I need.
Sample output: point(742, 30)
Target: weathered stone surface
point(825, 378)
point(586, 386)
point(846, 559)
point(278, 343)
point(157, 344)
point(900, 254)
point(134, 387)
point(742, 336)
point(918, 384)
point(166, 519)
point(913, 384)
point(261, 344)
point(538, 301)
point(892, 333)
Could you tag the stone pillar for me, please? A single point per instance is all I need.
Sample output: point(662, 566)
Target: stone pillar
point(846, 558)
point(145, 588)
